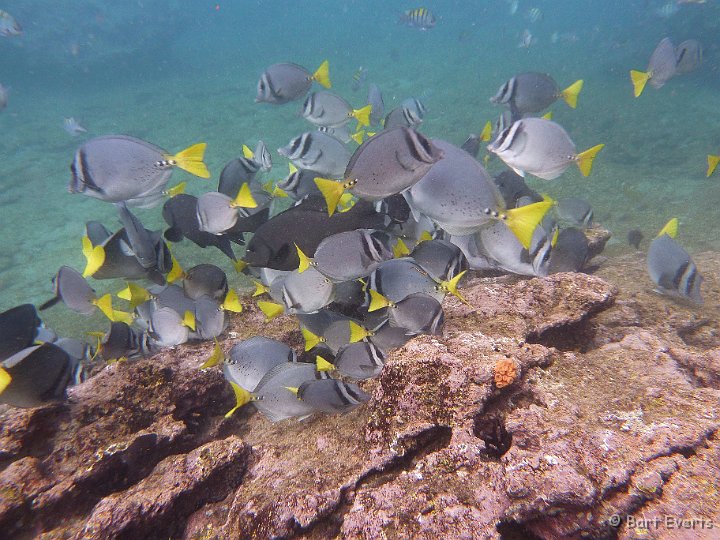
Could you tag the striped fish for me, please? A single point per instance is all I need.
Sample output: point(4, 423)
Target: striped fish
point(672, 269)
point(421, 18)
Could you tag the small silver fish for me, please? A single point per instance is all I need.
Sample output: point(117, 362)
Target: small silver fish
point(72, 127)
point(275, 401)
point(330, 110)
point(358, 78)
point(167, 328)
point(672, 269)
point(527, 40)
point(417, 313)
point(8, 25)
point(285, 82)
point(331, 395)
point(250, 360)
point(351, 255)
point(410, 113)
point(319, 152)
point(39, 374)
point(307, 292)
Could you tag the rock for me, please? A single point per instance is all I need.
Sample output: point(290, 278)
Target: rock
point(613, 409)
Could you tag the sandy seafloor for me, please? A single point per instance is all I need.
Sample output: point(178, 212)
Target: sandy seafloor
point(200, 85)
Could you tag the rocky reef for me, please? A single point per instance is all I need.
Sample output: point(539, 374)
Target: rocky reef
point(573, 406)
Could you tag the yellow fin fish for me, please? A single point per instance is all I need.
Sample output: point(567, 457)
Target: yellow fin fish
point(270, 309)
point(451, 286)
point(305, 261)
point(358, 136)
point(293, 389)
point(239, 266)
point(378, 301)
point(547, 116)
point(176, 271)
point(670, 228)
point(232, 302)
point(191, 160)
point(215, 358)
point(189, 320)
point(362, 115)
point(639, 80)
point(323, 365)
point(585, 159)
point(95, 257)
point(260, 289)
point(400, 249)
point(244, 198)
point(322, 75)
point(311, 340)
point(712, 164)
point(5, 379)
point(358, 333)
point(177, 190)
point(523, 221)
point(247, 153)
point(135, 294)
point(486, 132)
point(570, 94)
point(332, 191)
point(242, 397)
point(425, 236)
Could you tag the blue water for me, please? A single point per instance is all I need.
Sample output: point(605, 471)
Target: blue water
point(179, 72)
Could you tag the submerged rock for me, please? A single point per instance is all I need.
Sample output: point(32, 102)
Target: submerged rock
point(613, 409)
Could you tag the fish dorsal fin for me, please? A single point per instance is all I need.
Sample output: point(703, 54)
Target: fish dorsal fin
point(378, 301)
point(311, 339)
point(363, 115)
point(242, 397)
point(191, 160)
point(322, 75)
point(215, 358)
point(358, 333)
point(451, 286)
point(260, 289)
point(323, 365)
point(522, 221)
point(570, 94)
point(177, 190)
point(331, 190)
point(712, 162)
point(585, 159)
point(247, 153)
point(244, 198)
point(305, 261)
point(176, 271)
point(5, 379)
point(231, 302)
point(270, 309)
point(189, 320)
point(670, 228)
point(639, 80)
point(400, 249)
point(486, 132)
point(95, 257)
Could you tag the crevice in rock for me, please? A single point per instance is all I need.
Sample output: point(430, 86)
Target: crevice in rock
point(38, 440)
point(574, 337)
point(512, 530)
point(491, 430)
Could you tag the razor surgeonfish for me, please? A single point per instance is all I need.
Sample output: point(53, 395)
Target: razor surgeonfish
point(533, 92)
point(421, 18)
point(317, 151)
point(250, 360)
point(205, 279)
point(689, 56)
point(273, 398)
point(237, 172)
point(542, 148)
point(575, 211)
point(671, 268)
point(570, 252)
point(661, 68)
point(330, 110)
point(18, 329)
point(360, 360)
point(117, 168)
point(410, 113)
point(375, 100)
point(72, 289)
point(285, 82)
point(331, 395)
point(123, 341)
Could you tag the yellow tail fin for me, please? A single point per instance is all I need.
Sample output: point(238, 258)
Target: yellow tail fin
point(378, 301)
point(358, 136)
point(322, 74)
point(191, 160)
point(279, 192)
point(323, 365)
point(122, 316)
point(104, 303)
point(400, 249)
point(305, 261)
point(270, 309)
point(570, 94)
point(451, 286)
point(95, 257)
point(189, 320)
point(311, 340)
point(585, 159)
point(260, 289)
point(358, 333)
point(244, 198)
point(216, 357)
point(486, 133)
point(523, 221)
point(293, 390)
point(177, 190)
point(135, 294)
point(247, 153)
point(242, 397)
point(639, 80)
point(670, 228)
point(5, 379)
point(232, 302)
point(347, 201)
point(425, 236)
point(239, 266)
point(548, 115)
point(363, 115)
point(176, 271)
point(332, 191)
point(712, 164)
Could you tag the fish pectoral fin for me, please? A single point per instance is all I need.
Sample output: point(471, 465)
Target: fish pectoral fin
point(585, 159)
point(406, 162)
point(639, 80)
point(191, 160)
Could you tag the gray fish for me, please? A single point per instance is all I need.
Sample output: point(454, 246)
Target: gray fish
point(39, 374)
point(180, 213)
point(672, 269)
point(477, 259)
point(397, 278)
point(512, 187)
point(570, 252)
point(117, 168)
point(386, 337)
point(8, 25)
point(378, 106)
point(304, 225)
point(456, 192)
point(4, 94)
point(121, 262)
point(410, 113)
point(417, 313)
point(262, 156)
point(96, 232)
point(18, 329)
point(216, 212)
point(498, 243)
point(688, 56)
point(331, 395)
point(307, 292)
point(389, 163)
point(205, 279)
point(341, 133)
point(576, 212)
point(663, 64)
point(250, 360)
point(80, 355)
point(167, 328)
point(351, 255)
point(300, 183)
point(210, 319)
point(540, 147)
point(441, 259)
point(330, 110)
point(635, 236)
point(361, 360)
point(73, 290)
point(358, 78)
point(173, 297)
point(533, 92)
point(237, 172)
point(123, 341)
point(275, 401)
point(471, 145)
point(140, 241)
point(317, 151)
point(285, 82)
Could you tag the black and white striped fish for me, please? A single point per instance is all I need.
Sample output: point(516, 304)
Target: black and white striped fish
point(409, 113)
point(672, 269)
point(421, 18)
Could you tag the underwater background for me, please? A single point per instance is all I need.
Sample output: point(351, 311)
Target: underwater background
point(179, 72)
